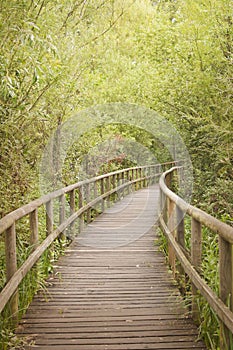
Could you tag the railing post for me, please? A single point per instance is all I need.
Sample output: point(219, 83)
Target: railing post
point(128, 180)
point(168, 180)
point(88, 196)
point(49, 224)
point(196, 251)
point(180, 227)
point(114, 181)
point(62, 213)
point(226, 287)
point(140, 175)
point(72, 211)
point(80, 204)
point(11, 268)
point(161, 201)
point(49, 218)
point(136, 177)
point(95, 194)
point(180, 234)
point(122, 181)
point(34, 237)
point(114, 185)
point(108, 186)
point(132, 178)
point(102, 192)
point(171, 226)
point(118, 179)
point(146, 181)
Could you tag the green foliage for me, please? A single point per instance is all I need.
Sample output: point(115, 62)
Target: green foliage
point(58, 57)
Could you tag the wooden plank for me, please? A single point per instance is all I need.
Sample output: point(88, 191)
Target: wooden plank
point(121, 297)
point(173, 346)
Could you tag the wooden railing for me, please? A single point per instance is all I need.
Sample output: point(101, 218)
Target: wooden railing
point(173, 211)
point(75, 202)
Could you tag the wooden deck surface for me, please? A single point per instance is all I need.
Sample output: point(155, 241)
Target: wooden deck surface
point(112, 290)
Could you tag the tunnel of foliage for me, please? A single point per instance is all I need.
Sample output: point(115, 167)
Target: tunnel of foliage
point(175, 57)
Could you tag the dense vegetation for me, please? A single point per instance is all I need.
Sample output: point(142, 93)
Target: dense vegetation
point(60, 57)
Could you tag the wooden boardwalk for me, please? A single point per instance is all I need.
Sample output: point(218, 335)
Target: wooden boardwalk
point(112, 290)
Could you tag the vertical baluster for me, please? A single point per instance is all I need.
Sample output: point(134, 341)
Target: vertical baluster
point(136, 184)
point(123, 181)
point(161, 202)
point(102, 192)
point(95, 190)
point(72, 211)
point(34, 237)
point(139, 182)
point(140, 175)
point(49, 225)
point(62, 213)
point(180, 234)
point(114, 186)
point(168, 180)
point(61, 209)
point(108, 186)
point(80, 205)
point(11, 268)
point(171, 226)
point(180, 227)
point(49, 217)
point(95, 193)
point(128, 180)
point(88, 190)
point(133, 178)
point(118, 179)
point(226, 287)
point(196, 251)
point(114, 181)
point(163, 206)
point(149, 179)
point(145, 174)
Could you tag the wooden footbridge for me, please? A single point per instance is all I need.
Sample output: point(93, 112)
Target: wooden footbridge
point(112, 288)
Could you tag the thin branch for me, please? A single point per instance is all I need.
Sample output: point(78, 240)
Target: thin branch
point(75, 7)
point(45, 88)
point(82, 9)
point(104, 31)
point(39, 12)
point(112, 24)
point(25, 95)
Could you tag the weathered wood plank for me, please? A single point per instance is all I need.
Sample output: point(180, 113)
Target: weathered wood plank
point(115, 295)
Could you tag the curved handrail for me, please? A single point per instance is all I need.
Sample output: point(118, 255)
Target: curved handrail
point(17, 214)
point(173, 210)
point(101, 187)
point(209, 221)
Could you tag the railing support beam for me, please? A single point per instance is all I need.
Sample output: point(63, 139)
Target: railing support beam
point(196, 251)
point(226, 287)
point(171, 226)
point(11, 268)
